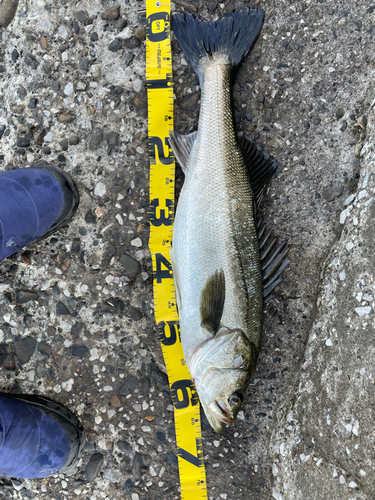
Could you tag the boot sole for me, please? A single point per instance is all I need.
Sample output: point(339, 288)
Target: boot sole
point(65, 418)
point(71, 195)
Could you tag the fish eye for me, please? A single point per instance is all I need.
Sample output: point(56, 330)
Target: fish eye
point(235, 399)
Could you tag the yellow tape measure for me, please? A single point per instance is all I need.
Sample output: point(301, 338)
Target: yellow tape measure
point(162, 181)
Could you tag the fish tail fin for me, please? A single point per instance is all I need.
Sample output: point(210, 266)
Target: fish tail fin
point(232, 36)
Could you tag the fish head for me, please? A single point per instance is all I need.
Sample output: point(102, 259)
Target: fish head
point(221, 368)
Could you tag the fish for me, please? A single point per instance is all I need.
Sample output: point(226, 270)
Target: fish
point(225, 261)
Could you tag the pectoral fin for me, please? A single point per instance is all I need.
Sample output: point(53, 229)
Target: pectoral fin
point(212, 301)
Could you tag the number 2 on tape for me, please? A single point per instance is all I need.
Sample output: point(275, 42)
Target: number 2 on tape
point(162, 173)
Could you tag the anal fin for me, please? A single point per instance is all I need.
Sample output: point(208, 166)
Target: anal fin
point(272, 257)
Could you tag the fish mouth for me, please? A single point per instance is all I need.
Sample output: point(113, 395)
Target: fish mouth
point(220, 413)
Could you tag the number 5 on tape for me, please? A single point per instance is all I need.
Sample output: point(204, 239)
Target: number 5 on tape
point(162, 174)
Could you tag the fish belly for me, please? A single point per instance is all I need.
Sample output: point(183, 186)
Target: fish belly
point(215, 225)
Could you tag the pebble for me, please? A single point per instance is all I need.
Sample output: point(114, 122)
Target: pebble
point(132, 267)
point(84, 64)
point(111, 14)
point(112, 138)
point(363, 311)
point(158, 378)
point(137, 466)
point(66, 118)
point(96, 71)
point(45, 348)
point(190, 7)
point(137, 85)
point(61, 309)
point(15, 55)
point(44, 43)
point(128, 58)
point(130, 383)
point(113, 475)
point(31, 61)
point(115, 45)
point(23, 142)
point(137, 242)
point(211, 5)
point(119, 23)
point(76, 329)
point(140, 33)
point(115, 401)
point(81, 16)
point(80, 351)
point(68, 89)
point(25, 297)
point(172, 459)
point(93, 466)
point(100, 189)
point(32, 103)
point(132, 42)
point(81, 85)
point(125, 447)
point(62, 31)
point(68, 385)
point(74, 140)
point(129, 486)
point(64, 144)
point(96, 139)
point(134, 313)
point(24, 349)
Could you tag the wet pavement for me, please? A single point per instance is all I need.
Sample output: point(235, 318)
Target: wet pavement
point(76, 310)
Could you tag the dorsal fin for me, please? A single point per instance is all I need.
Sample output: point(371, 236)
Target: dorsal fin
point(260, 166)
point(212, 301)
point(182, 146)
point(272, 258)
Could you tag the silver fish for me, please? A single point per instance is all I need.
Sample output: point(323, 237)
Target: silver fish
point(215, 249)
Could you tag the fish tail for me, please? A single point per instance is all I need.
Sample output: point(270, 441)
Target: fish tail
point(232, 36)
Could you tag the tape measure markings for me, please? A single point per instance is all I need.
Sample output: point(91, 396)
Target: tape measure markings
point(162, 174)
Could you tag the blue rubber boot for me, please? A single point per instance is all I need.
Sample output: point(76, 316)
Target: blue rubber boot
point(38, 437)
point(34, 203)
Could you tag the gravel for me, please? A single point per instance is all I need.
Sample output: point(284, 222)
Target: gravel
point(73, 102)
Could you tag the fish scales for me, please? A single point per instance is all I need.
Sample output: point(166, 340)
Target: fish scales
point(215, 250)
point(215, 216)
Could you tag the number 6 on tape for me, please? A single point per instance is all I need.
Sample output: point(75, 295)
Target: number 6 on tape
point(162, 173)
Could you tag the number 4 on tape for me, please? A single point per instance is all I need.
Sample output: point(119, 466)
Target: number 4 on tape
point(162, 174)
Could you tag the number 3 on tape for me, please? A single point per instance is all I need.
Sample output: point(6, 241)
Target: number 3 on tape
point(162, 173)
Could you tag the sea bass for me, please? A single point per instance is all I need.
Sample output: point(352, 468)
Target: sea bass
point(217, 238)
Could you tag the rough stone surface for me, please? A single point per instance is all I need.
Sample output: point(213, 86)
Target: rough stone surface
point(93, 466)
point(301, 94)
point(24, 349)
point(323, 435)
